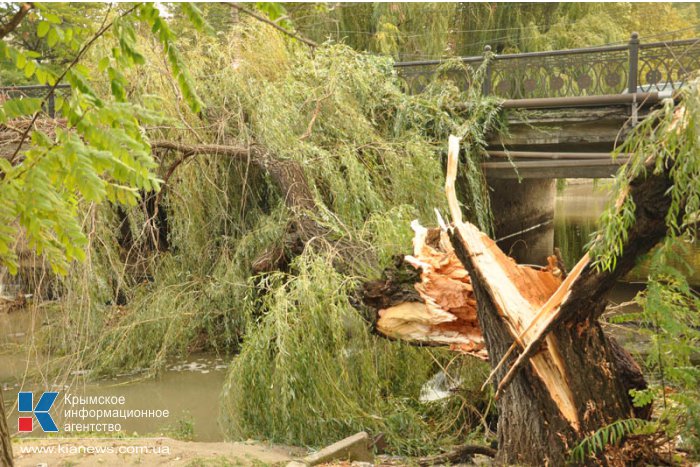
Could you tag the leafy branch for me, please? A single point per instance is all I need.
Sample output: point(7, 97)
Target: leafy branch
point(665, 143)
point(100, 32)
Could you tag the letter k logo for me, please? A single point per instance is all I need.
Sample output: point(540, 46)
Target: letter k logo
point(25, 403)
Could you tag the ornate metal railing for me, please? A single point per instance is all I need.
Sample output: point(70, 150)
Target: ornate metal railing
point(629, 68)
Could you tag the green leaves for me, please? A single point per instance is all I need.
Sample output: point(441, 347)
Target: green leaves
point(608, 435)
point(53, 37)
point(29, 69)
point(667, 141)
point(19, 107)
point(195, 17)
point(670, 322)
point(151, 15)
point(101, 155)
point(43, 28)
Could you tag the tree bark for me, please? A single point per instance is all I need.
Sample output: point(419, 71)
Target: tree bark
point(15, 21)
point(5, 439)
point(591, 373)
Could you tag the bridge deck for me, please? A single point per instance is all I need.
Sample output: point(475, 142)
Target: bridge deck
point(561, 143)
point(568, 101)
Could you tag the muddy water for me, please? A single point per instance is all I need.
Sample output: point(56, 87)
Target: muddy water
point(189, 390)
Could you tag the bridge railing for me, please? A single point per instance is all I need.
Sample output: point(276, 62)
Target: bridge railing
point(36, 91)
point(627, 68)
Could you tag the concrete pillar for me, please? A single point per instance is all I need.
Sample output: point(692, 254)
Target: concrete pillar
point(520, 206)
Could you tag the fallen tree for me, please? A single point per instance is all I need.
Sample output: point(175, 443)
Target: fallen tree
point(278, 203)
point(558, 377)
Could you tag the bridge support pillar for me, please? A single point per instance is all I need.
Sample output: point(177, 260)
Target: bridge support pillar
point(518, 207)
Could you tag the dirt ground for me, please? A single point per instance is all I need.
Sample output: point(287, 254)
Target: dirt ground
point(147, 451)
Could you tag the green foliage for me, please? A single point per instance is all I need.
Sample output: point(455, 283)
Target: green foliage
point(103, 153)
point(372, 157)
point(150, 14)
point(669, 319)
point(608, 435)
point(49, 37)
point(310, 357)
point(666, 142)
point(311, 361)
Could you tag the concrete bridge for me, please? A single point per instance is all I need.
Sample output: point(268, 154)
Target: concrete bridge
point(566, 110)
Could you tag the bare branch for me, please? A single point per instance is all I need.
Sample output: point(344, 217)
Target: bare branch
point(265, 20)
point(188, 150)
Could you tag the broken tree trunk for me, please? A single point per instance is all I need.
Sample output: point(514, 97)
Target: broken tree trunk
point(571, 380)
point(442, 309)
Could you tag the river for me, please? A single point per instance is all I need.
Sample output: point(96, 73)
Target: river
point(188, 389)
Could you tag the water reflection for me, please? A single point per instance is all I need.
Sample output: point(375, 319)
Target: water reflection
point(576, 212)
point(577, 209)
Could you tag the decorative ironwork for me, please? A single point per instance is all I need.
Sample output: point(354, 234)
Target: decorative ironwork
point(666, 66)
point(526, 76)
point(633, 67)
point(419, 74)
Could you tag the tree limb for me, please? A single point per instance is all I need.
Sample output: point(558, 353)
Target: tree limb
point(7, 28)
point(289, 178)
point(265, 20)
point(188, 150)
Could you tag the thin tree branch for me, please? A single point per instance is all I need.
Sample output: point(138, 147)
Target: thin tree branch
point(317, 111)
point(7, 28)
point(103, 29)
point(265, 20)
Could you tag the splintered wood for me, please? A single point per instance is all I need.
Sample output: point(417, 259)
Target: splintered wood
point(526, 300)
point(447, 315)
